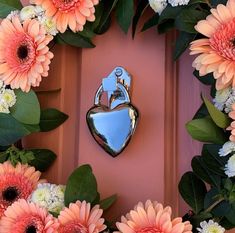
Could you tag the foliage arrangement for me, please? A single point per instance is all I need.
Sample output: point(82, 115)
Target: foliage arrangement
point(30, 205)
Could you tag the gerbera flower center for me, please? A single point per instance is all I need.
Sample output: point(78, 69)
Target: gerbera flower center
point(10, 194)
point(149, 230)
point(73, 228)
point(22, 52)
point(223, 40)
point(66, 5)
point(31, 229)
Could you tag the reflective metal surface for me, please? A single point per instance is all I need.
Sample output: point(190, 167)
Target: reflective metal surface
point(113, 126)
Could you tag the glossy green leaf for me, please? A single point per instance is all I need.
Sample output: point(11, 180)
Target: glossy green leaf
point(11, 130)
point(153, 21)
point(188, 18)
point(230, 216)
point(170, 12)
point(81, 186)
point(125, 13)
point(166, 26)
point(193, 191)
point(205, 130)
point(108, 202)
point(104, 19)
point(6, 6)
point(213, 161)
point(43, 159)
point(141, 7)
point(74, 39)
point(182, 43)
point(211, 197)
point(27, 108)
point(201, 170)
point(221, 120)
point(51, 118)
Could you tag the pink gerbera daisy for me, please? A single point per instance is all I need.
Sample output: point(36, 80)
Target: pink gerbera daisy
point(217, 51)
point(16, 183)
point(152, 217)
point(69, 13)
point(24, 217)
point(79, 217)
point(24, 54)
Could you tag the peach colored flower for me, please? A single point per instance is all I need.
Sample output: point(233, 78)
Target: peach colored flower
point(217, 51)
point(152, 217)
point(16, 183)
point(79, 217)
point(24, 217)
point(24, 54)
point(69, 13)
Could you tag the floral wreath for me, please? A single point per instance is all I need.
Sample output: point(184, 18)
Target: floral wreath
point(31, 205)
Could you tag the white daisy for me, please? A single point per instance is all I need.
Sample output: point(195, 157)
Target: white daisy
point(227, 148)
point(158, 5)
point(49, 24)
point(178, 2)
point(230, 167)
point(8, 96)
point(210, 227)
point(28, 12)
point(49, 196)
point(221, 97)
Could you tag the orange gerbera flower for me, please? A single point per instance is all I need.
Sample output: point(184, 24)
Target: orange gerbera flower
point(16, 183)
point(24, 55)
point(152, 217)
point(69, 13)
point(217, 51)
point(79, 217)
point(23, 217)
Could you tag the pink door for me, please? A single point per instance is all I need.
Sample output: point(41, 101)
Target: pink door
point(166, 96)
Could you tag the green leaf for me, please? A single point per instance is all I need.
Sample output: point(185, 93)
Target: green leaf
point(182, 43)
point(193, 191)
point(43, 159)
point(188, 18)
point(170, 12)
point(27, 108)
point(51, 119)
point(192, 2)
point(6, 6)
point(211, 197)
point(81, 186)
point(212, 159)
point(200, 169)
point(11, 130)
point(221, 209)
point(74, 39)
point(220, 119)
point(205, 130)
point(141, 7)
point(207, 79)
point(104, 20)
point(124, 13)
point(153, 21)
point(230, 216)
point(108, 202)
point(166, 26)
point(201, 112)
